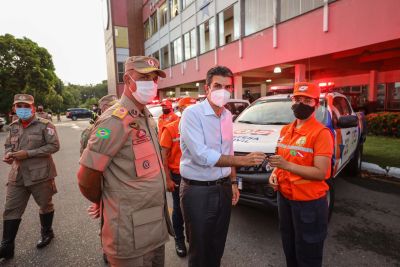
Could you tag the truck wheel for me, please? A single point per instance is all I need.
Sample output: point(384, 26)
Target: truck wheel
point(330, 197)
point(74, 118)
point(354, 167)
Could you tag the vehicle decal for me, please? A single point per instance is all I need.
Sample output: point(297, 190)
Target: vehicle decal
point(254, 132)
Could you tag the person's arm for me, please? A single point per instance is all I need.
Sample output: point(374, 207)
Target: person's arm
point(89, 182)
point(192, 136)
point(166, 144)
point(323, 150)
point(8, 150)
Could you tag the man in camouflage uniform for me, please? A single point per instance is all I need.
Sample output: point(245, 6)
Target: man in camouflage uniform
point(41, 113)
point(104, 103)
point(123, 149)
point(28, 148)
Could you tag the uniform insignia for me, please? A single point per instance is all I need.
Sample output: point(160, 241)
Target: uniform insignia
point(50, 131)
point(301, 141)
point(303, 88)
point(14, 130)
point(21, 97)
point(134, 125)
point(293, 152)
point(141, 133)
point(120, 112)
point(146, 164)
point(103, 133)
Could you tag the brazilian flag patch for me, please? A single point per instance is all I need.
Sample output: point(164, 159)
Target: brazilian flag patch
point(103, 133)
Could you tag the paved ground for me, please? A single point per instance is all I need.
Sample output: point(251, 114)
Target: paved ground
point(364, 230)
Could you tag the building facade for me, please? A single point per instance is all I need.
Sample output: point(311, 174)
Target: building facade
point(352, 45)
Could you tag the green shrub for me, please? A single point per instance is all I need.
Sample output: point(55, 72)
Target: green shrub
point(384, 123)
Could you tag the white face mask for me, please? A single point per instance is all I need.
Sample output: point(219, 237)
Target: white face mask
point(145, 91)
point(220, 97)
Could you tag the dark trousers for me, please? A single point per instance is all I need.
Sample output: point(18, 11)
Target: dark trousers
point(207, 212)
point(303, 226)
point(177, 218)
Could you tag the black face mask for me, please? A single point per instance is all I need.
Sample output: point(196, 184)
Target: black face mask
point(302, 111)
point(166, 111)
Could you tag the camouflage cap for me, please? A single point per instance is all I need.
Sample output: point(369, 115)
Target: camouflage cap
point(23, 98)
point(144, 65)
point(107, 100)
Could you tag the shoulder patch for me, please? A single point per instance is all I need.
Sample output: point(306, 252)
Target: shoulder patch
point(120, 112)
point(103, 133)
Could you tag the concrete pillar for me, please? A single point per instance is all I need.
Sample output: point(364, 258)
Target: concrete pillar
point(299, 72)
point(177, 91)
point(263, 89)
point(372, 89)
point(238, 83)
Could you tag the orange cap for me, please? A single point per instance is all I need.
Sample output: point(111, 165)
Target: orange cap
point(306, 89)
point(186, 101)
point(166, 103)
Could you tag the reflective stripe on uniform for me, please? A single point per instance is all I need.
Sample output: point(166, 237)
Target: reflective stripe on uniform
point(176, 139)
point(300, 148)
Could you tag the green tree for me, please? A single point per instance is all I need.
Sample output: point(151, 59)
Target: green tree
point(25, 67)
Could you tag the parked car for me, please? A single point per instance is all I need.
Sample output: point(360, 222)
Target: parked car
point(78, 113)
point(236, 106)
point(258, 129)
point(2, 122)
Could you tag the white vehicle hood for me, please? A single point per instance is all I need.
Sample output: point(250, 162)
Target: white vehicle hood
point(255, 138)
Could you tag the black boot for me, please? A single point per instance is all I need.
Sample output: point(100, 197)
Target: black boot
point(46, 220)
point(180, 247)
point(10, 229)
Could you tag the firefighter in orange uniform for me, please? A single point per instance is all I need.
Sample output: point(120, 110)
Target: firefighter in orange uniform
point(170, 144)
point(167, 117)
point(302, 164)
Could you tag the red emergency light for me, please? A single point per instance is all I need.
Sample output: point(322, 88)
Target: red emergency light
point(326, 87)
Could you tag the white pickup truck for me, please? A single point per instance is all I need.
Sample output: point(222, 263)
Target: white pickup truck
point(258, 127)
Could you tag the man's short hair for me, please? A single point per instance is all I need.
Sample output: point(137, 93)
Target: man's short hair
point(218, 71)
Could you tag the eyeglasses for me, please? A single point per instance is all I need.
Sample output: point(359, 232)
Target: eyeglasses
point(304, 100)
point(217, 86)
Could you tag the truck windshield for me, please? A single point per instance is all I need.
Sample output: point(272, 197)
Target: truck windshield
point(274, 112)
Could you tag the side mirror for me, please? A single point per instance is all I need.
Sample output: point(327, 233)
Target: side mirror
point(347, 121)
point(234, 117)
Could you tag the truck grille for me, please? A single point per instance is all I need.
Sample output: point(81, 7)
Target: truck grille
point(263, 168)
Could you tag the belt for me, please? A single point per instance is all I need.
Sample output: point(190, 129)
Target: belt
point(206, 183)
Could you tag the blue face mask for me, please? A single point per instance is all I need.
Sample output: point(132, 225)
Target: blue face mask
point(24, 113)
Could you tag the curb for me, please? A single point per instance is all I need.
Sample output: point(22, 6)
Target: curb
point(376, 169)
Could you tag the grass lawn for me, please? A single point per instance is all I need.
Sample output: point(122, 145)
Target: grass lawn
point(384, 151)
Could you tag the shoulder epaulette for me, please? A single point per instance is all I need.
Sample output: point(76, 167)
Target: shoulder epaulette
point(120, 112)
point(45, 121)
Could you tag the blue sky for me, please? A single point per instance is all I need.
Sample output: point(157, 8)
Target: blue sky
point(71, 30)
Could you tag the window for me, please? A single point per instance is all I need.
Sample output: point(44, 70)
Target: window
point(154, 23)
point(229, 25)
point(207, 35)
point(163, 10)
point(156, 55)
point(164, 57)
point(393, 95)
point(290, 8)
point(258, 15)
point(120, 69)
point(186, 3)
point(174, 8)
point(177, 50)
point(189, 40)
point(147, 30)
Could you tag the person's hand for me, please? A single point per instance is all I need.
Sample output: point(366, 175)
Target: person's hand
point(20, 155)
point(253, 159)
point(94, 211)
point(235, 194)
point(273, 181)
point(8, 158)
point(279, 162)
point(171, 185)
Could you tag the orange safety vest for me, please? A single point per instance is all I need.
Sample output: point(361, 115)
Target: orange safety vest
point(165, 119)
point(173, 143)
point(297, 146)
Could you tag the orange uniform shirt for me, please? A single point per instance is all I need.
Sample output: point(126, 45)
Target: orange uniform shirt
point(164, 120)
point(170, 138)
point(300, 146)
